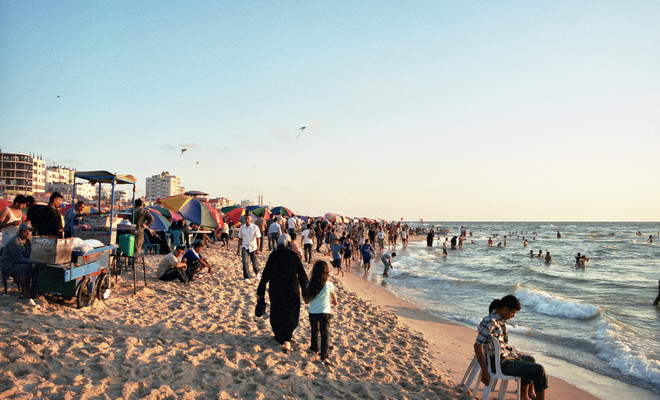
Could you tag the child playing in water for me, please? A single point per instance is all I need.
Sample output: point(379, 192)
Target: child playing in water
point(320, 295)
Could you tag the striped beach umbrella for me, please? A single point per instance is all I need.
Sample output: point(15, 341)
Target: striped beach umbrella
point(262, 212)
point(225, 210)
point(283, 211)
point(235, 214)
point(201, 214)
point(166, 213)
point(175, 203)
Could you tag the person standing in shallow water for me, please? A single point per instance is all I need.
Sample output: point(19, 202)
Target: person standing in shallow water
point(657, 299)
point(429, 238)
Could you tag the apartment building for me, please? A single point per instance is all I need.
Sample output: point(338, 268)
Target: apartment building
point(163, 185)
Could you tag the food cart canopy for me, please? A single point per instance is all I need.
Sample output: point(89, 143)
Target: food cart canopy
point(105, 177)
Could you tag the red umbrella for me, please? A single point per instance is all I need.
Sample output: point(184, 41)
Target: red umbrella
point(235, 214)
point(216, 215)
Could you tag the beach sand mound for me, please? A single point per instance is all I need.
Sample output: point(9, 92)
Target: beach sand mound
point(202, 340)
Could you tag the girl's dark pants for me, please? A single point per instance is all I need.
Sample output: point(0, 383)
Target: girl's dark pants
point(320, 323)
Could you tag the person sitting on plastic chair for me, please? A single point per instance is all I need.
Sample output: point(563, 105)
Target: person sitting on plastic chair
point(15, 261)
point(493, 327)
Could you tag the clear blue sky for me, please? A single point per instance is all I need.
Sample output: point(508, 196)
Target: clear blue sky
point(459, 110)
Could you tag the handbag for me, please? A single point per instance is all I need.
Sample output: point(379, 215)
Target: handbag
point(260, 308)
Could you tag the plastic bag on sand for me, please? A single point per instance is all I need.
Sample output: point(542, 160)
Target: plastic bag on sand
point(78, 244)
point(94, 243)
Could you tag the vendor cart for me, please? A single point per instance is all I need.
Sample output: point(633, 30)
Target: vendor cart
point(104, 226)
point(84, 277)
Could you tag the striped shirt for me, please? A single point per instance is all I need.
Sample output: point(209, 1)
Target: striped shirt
point(493, 326)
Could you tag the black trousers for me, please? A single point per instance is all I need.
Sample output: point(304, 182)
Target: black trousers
point(307, 249)
point(320, 324)
point(174, 273)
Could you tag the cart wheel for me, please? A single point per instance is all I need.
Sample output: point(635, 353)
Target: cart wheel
point(102, 287)
point(84, 297)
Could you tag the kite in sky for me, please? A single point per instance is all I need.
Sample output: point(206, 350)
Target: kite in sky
point(302, 128)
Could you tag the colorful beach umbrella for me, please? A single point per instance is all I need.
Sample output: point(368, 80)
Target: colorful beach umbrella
point(216, 214)
point(196, 211)
point(225, 210)
point(166, 213)
point(175, 203)
point(235, 214)
point(283, 211)
point(160, 223)
point(262, 212)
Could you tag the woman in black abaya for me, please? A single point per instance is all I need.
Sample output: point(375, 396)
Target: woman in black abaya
point(285, 276)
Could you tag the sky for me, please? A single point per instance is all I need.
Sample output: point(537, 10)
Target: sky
point(434, 110)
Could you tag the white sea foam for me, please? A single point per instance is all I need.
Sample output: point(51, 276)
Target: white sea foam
point(553, 305)
point(616, 347)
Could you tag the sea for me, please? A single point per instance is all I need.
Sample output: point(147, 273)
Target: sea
point(594, 327)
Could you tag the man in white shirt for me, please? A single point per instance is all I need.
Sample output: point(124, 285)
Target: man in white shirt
point(249, 237)
point(171, 267)
point(274, 232)
point(292, 225)
point(307, 241)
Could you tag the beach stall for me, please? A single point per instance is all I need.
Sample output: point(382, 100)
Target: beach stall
point(79, 274)
point(104, 225)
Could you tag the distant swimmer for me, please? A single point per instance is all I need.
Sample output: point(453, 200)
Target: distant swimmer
point(504, 240)
point(490, 242)
point(531, 253)
point(453, 242)
point(581, 261)
point(548, 257)
point(444, 246)
point(540, 254)
point(651, 238)
point(499, 244)
point(657, 299)
point(525, 242)
point(558, 235)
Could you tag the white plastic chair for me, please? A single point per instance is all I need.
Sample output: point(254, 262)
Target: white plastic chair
point(473, 374)
point(493, 360)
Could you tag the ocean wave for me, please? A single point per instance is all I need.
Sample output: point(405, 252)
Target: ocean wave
point(615, 348)
point(553, 305)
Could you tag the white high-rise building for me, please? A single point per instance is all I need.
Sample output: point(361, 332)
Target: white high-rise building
point(163, 185)
point(38, 174)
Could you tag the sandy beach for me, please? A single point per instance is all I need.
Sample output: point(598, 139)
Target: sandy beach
point(202, 340)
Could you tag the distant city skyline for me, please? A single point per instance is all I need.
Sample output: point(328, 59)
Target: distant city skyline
point(447, 111)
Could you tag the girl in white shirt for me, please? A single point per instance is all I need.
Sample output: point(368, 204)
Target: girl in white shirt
point(320, 295)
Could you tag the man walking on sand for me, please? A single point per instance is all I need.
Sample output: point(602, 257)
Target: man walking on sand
point(493, 328)
point(248, 246)
point(261, 224)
